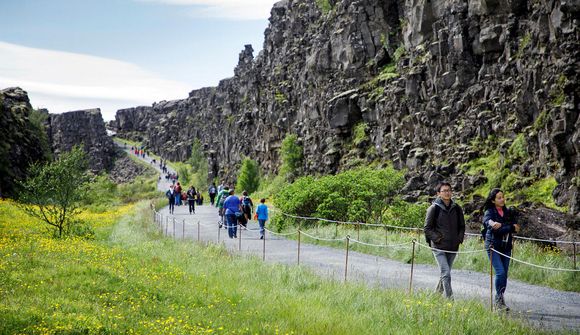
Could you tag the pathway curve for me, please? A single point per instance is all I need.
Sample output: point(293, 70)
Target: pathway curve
point(543, 307)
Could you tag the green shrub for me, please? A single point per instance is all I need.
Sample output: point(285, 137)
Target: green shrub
point(357, 195)
point(324, 6)
point(249, 178)
point(360, 133)
point(517, 150)
point(291, 156)
point(197, 160)
point(405, 214)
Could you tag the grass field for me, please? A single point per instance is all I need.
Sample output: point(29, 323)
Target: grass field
point(478, 261)
point(131, 280)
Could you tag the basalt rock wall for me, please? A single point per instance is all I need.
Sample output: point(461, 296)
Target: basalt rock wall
point(22, 140)
point(28, 136)
point(436, 84)
point(84, 127)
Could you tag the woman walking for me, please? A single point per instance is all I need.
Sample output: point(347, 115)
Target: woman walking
point(499, 222)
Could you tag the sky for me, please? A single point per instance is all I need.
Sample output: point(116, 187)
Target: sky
point(113, 54)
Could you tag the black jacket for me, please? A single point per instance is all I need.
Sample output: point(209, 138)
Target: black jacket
point(501, 238)
point(446, 231)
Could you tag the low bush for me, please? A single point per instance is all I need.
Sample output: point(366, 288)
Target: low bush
point(357, 195)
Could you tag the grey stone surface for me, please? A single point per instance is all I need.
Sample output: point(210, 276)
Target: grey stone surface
point(469, 71)
point(84, 127)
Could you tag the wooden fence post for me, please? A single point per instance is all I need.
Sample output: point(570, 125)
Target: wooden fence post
point(412, 268)
point(346, 261)
point(491, 278)
point(298, 246)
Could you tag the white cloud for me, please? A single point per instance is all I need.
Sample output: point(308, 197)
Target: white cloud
point(63, 81)
point(227, 9)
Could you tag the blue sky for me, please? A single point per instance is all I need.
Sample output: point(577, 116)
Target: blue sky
point(112, 54)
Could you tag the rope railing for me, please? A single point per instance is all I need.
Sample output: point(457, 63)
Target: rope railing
point(280, 234)
point(383, 225)
point(381, 245)
point(158, 218)
point(452, 252)
point(323, 239)
point(535, 265)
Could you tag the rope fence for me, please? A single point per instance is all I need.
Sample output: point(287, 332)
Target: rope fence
point(162, 223)
point(408, 228)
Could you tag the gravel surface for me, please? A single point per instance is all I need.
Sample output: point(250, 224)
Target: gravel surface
point(543, 307)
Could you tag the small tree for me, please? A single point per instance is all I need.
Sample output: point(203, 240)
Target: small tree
point(54, 191)
point(291, 155)
point(249, 178)
point(197, 159)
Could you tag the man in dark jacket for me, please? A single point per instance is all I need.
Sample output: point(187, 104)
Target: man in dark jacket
point(171, 194)
point(444, 231)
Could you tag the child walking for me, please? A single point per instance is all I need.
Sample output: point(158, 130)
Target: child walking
point(262, 214)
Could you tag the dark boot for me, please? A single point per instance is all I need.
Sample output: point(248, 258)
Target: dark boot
point(500, 304)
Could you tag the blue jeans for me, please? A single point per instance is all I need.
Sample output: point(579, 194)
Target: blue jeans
point(262, 224)
point(500, 266)
point(445, 262)
point(232, 225)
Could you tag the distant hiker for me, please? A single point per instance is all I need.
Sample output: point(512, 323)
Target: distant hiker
point(178, 190)
point(233, 209)
point(262, 216)
point(212, 191)
point(247, 206)
point(499, 224)
point(444, 231)
point(220, 187)
point(199, 198)
point(191, 195)
point(171, 195)
point(221, 198)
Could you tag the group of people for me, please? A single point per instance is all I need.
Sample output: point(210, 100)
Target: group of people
point(173, 177)
point(177, 197)
point(445, 229)
point(140, 152)
point(234, 211)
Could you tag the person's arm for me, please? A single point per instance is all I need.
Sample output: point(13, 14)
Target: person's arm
point(505, 228)
point(461, 223)
point(429, 228)
point(487, 219)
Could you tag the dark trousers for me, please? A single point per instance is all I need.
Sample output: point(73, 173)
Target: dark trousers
point(212, 198)
point(171, 205)
point(232, 225)
point(191, 203)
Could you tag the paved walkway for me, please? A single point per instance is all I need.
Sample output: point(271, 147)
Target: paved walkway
point(543, 307)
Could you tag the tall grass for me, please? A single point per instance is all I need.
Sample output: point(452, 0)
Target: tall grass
point(134, 281)
point(526, 251)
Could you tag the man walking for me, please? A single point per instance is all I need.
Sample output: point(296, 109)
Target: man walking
point(444, 231)
point(171, 194)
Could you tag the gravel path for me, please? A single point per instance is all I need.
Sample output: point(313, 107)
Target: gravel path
point(543, 307)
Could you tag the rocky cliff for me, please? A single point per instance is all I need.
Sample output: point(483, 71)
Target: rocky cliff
point(84, 127)
point(432, 85)
point(22, 139)
point(28, 136)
